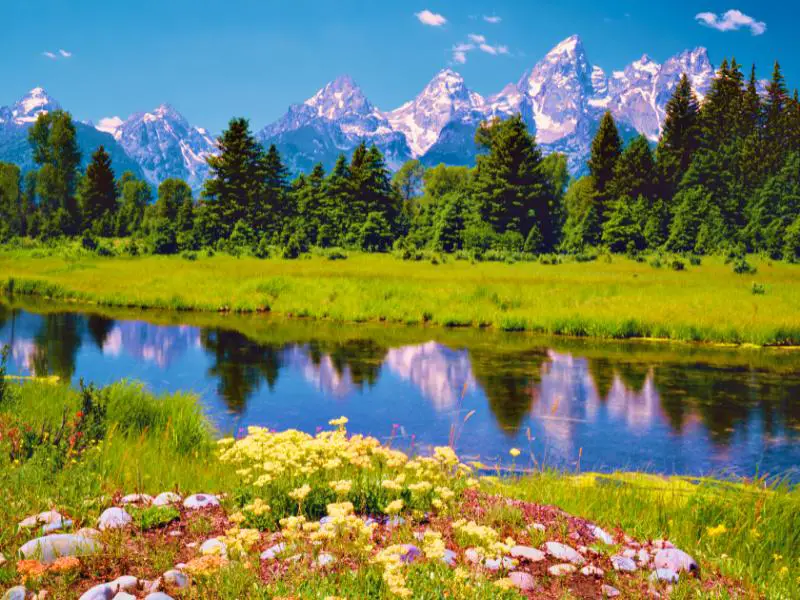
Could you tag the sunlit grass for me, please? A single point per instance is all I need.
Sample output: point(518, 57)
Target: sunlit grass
point(618, 299)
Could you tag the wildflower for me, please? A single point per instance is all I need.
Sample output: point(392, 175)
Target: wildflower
point(433, 545)
point(342, 488)
point(391, 484)
point(204, 565)
point(514, 452)
point(300, 493)
point(393, 507)
point(340, 422)
point(506, 583)
point(718, 530)
point(342, 509)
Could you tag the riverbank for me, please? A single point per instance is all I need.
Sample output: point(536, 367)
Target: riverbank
point(618, 299)
point(745, 538)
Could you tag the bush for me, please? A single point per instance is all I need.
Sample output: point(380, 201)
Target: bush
point(550, 259)
point(105, 250)
point(586, 256)
point(678, 265)
point(89, 241)
point(695, 260)
point(294, 247)
point(131, 248)
point(336, 254)
point(263, 248)
point(154, 516)
point(656, 262)
point(758, 289)
point(188, 255)
point(742, 267)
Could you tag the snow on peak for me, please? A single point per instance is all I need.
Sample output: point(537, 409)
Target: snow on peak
point(340, 98)
point(571, 47)
point(35, 102)
point(110, 125)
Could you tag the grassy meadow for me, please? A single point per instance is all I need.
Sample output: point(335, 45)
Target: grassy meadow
point(608, 298)
point(745, 535)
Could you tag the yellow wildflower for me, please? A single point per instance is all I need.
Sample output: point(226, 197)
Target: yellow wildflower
point(514, 452)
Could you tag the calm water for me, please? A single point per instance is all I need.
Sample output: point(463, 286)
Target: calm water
point(656, 407)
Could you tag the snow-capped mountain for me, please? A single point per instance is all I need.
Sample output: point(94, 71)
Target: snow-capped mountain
point(561, 98)
point(332, 121)
point(164, 144)
point(16, 119)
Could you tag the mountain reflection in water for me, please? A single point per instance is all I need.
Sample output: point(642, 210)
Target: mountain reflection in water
point(617, 406)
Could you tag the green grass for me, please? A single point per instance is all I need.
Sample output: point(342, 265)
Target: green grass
point(618, 299)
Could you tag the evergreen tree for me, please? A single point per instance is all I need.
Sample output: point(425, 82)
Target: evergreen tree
point(12, 219)
point(776, 124)
point(582, 226)
point(134, 197)
point(776, 206)
point(450, 222)
point(275, 207)
point(235, 188)
point(605, 152)
point(634, 172)
point(337, 194)
point(172, 193)
point(679, 138)
point(622, 230)
point(55, 149)
point(98, 195)
point(408, 180)
point(508, 186)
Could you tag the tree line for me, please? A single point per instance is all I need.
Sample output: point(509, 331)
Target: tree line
point(724, 175)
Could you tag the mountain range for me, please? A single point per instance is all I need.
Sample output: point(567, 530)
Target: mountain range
point(561, 98)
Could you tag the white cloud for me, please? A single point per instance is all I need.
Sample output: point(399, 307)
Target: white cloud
point(732, 20)
point(493, 50)
point(492, 19)
point(459, 57)
point(433, 19)
point(109, 124)
point(49, 55)
point(478, 39)
point(65, 53)
point(462, 47)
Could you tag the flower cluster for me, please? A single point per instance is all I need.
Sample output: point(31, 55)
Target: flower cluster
point(484, 540)
point(342, 532)
point(239, 541)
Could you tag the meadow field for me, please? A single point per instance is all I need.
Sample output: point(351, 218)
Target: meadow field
point(614, 297)
point(744, 534)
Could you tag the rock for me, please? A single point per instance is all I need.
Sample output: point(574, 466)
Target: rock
point(114, 518)
point(575, 536)
point(197, 501)
point(16, 593)
point(127, 583)
point(643, 556)
point(51, 527)
point(472, 555)
point(48, 548)
point(561, 570)
point(175, 533)
point(609, 591)
point(538, 527)
point(3, 559)
point(151, 586)
point(564, 552)
point(602, 535)
point(272, 552)
point(158, 596)
point(124, 596)
point(136, 499)
point(42, 595)
point(176, 579)
point(166, 498)
point(667, 575)
point(214, 546)
point(623, 563)
point(49, 517)
point(395, 521)
point(522, 581)
point(662, 544)
point(527, 553)
point(592, 571)
point(495, 564)
point(324, 559)
point(103, 591)
point(411, 553)
point(449, 558)
point(629, 553)
point(677, 560)
point(325, 520)
point(89, 532)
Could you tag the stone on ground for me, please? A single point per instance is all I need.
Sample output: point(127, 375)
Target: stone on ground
point(667, 575)
point(623, 563)
point(562, 569)
point(136, 499)
point(214, 546)
point(564, 552)
point(48, 548)
point(197, 501)
point(592, 571)
point(166, 498)
point(677, 560)
point(522, 581)
point(114, 518)
point(176, 578)
point(527, 553)
point(602, 535)
point(272, 552)
point(495, 564)
point(16, 593)
point(609, 591)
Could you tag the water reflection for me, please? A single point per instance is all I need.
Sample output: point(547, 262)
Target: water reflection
point(669, 412)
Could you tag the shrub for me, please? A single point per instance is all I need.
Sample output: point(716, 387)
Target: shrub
point(695, 260)
point(336, 254)
point(294, 247)
point(742, 267)
point(263, 249)
point(678, 265)
point(154, 516)
point(89, 241)
point(189, 255)
point(656, 262)
point(758, 289)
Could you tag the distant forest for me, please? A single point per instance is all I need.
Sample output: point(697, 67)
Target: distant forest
point(723, 178)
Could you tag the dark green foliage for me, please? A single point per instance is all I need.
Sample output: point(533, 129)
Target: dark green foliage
point(98, 195)
point(742, 267)
point(152, 517)
point(679, 139)
point(375, 234)
point(162, 238)
point(582, 225)
point(606, 150)
point(135, 196)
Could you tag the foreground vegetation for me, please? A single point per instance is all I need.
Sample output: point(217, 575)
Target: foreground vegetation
point(613, 298)
point(77, 451)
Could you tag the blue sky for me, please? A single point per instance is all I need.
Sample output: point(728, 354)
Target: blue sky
point(213, 60)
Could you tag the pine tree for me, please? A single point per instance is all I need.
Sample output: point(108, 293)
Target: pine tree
point(582, 226)
point(337, 194)
point(679, 138)
point(508, 186)
point(269, 212)
point(134, 197)
point(622, 230)
point(635, 171)
point(606, 150)
point(236, 185)
point(12, 217)
point(776, 130)
point(98, 194)
point(172, 193)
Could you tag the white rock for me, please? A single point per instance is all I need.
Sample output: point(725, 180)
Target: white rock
point(196, 501)
point(564, 552)
point(103, 591)
point(623, 563)
point(609, 591)
point(48, 548)
point(602, 535)
point(43, 518)
point(522, 581)
point(137, 499)
point(166, 498)
point(472, 555)
point(214, 546)
point(16, 593)
point(114, 518)
point(677, 560)
point(527, 553)
point(325, 559)
point(124, 596)
point(667, 575)
point(591, 570)
point(176, 579)
point(158, 596)
point(562, 569)
point(495, 564)
point(272, 552)
point(538, 527)
point(127, 583)
point(2, 559)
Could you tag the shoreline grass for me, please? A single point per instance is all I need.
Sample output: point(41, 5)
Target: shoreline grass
point(743, 531)
point(623, 299)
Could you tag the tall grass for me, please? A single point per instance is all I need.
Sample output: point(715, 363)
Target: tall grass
point(620, 299)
